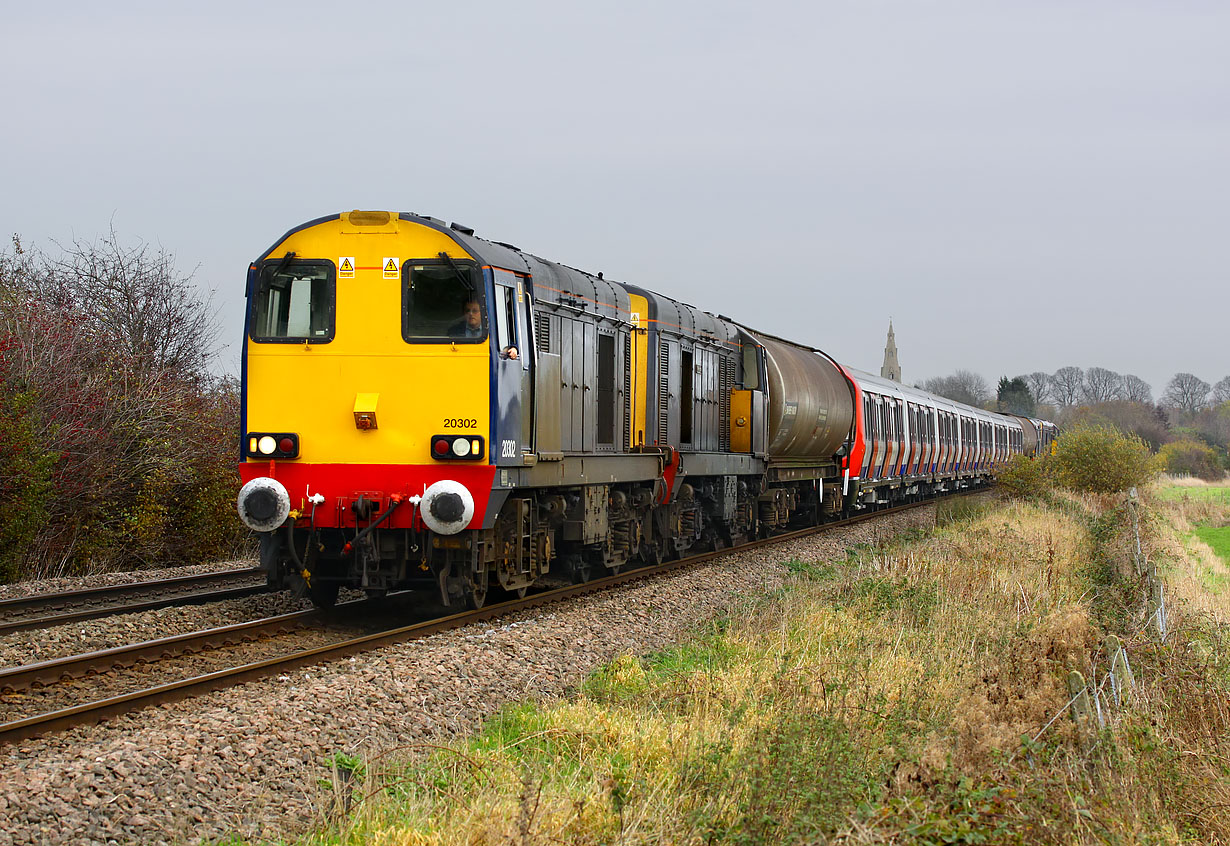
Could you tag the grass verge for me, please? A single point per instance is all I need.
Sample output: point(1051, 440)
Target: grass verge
point(915, 693)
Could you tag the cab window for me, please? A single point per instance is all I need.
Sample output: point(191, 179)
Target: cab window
point(293, 302)
point(442, 302)
point(505, 319)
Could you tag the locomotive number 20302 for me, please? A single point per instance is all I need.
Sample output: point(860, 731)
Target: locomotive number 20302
point(460, 423)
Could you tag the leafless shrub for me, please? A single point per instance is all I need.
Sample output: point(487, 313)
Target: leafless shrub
point(109, 345)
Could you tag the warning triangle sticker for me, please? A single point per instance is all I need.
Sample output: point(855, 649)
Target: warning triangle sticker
point(390, 267)
point(347, 267)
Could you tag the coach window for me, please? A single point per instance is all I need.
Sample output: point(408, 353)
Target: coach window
point(437, 303)
point(868, 425)
point(293, 302)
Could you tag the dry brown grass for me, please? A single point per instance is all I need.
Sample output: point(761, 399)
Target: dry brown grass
point(913, 694)
point(1192, 481)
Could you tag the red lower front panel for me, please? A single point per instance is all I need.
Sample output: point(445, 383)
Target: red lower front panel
point(342, 484)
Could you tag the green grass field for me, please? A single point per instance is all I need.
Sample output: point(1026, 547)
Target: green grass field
point(1209, 493)
point(1218, 538)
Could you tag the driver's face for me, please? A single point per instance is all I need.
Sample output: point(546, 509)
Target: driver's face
point(474, 316)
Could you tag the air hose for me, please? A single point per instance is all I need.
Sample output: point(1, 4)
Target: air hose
point(394, 501)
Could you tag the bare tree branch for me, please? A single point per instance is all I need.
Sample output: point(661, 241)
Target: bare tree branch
point(1221, 391)
point(1066, 385)
point(1101, 385)
point(1186, 391)
point(1135, 389)
point(962, 386)
point(1039, 385)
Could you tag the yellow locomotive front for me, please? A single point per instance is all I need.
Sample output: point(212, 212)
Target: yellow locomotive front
point(371, 369)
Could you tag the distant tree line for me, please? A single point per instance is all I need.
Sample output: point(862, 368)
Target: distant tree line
point(117, 445)
point(1189, 426)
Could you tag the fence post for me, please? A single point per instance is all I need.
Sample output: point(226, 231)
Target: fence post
point(1138, 557)
point(1158, 606)
point(1121, 679)
point(1082, 710)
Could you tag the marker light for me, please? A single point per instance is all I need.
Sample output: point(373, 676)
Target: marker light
point(465, 447)
point(272, 445)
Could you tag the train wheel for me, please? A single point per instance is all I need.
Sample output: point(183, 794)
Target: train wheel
point(476, 597)
point(582, 571)
point(271, 560)
point(651, 553)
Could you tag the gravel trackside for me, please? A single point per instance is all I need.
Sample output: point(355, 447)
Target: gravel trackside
point(248, 760)
point(66, 583)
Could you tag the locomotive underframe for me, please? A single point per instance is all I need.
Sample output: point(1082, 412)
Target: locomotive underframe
point(545, 536)
point(551, 536)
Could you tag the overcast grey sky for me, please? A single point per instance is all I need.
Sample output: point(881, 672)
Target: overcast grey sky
point(1019, 185)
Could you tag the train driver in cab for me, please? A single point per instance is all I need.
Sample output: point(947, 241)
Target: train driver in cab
point(471, 323)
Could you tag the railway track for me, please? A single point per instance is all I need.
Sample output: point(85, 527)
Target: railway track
point(42, 611)
point(51, 672)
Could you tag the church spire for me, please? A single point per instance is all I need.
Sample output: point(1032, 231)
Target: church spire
point(891, 368)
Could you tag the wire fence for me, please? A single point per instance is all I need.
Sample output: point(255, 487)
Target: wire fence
point(1092, 702)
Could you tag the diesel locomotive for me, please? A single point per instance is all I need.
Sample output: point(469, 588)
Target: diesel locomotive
point(423, 408)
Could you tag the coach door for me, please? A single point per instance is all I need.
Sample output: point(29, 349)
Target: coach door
point(513, 368)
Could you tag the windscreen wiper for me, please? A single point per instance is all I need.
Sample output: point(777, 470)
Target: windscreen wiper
point(285, 261)
point(464, 277)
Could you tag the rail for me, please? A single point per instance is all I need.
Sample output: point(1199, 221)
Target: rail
point(93, 712)
point(100, 602)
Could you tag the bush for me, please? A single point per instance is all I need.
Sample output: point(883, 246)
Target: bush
point(1025, 477)
point(116, 444)
point(25, 486)
point(1147, 422)
point(1099, 459)
point(1191, 458)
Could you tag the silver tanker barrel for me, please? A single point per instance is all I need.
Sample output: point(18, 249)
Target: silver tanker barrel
point(810, 407)
point(1029, 434)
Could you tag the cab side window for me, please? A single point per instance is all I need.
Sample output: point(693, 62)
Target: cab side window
point(505, 314)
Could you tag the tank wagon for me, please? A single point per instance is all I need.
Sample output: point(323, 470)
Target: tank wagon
point(423, 408)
